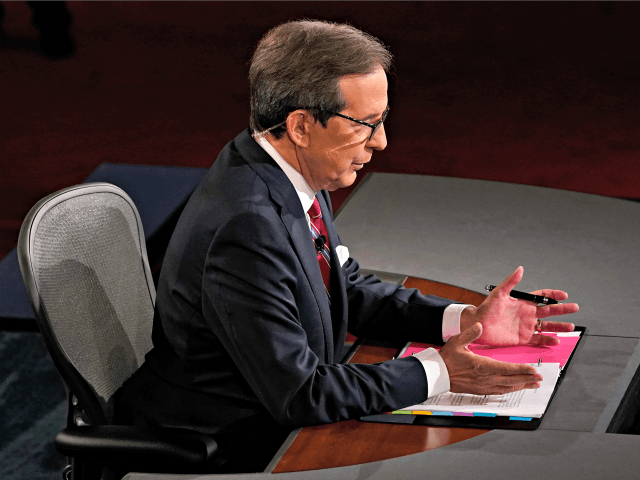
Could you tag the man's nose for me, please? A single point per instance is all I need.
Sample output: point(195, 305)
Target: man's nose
point(379, 140)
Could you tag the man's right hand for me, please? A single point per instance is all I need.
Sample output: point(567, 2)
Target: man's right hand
point(471, 373)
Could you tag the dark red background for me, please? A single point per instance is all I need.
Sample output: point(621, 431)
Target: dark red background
point(541, 93)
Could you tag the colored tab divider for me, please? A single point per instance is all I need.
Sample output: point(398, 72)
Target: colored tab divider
point(451, 414)
point(455, 414)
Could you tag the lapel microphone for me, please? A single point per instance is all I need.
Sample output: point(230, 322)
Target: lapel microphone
point(319, 243)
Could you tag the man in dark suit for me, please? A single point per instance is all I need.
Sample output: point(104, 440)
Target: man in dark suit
point(257, 291)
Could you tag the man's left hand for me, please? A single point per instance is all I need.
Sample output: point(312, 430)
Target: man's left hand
point(509, 321)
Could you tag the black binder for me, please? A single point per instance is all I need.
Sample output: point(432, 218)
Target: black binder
point(512, 423)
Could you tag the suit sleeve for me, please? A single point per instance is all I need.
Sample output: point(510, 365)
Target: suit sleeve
point(249, 301)
point(388, 311)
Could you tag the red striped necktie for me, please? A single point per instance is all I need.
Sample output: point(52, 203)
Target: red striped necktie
point(321, 242)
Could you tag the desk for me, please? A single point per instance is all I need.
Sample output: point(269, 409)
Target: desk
point(469, 233)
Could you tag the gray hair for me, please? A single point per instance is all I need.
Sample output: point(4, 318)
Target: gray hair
point(298, 65)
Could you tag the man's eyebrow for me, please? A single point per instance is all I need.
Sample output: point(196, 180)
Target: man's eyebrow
point(369, 117)
point(373, 115)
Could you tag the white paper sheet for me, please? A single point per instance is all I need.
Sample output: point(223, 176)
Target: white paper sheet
point(524, 403)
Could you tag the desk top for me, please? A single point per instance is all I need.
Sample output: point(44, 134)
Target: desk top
point(470, 233)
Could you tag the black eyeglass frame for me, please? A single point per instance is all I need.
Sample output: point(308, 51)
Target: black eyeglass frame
point(374, 127)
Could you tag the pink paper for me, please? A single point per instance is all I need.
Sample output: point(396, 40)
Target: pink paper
point(520, 354)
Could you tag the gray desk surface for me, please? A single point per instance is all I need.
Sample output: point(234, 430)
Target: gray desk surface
point(497, 455)
point(469, 233)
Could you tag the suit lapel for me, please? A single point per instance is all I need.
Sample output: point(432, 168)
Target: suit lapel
point(294, 220)
point(339, 305)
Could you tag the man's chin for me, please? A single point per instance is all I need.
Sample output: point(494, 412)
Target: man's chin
point(343, 182)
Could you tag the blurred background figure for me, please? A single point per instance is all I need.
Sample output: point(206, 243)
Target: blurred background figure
point(53, 22)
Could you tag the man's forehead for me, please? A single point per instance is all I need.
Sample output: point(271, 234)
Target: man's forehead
point(365, 95)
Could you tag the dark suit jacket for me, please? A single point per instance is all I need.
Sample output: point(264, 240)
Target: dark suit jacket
point(244, 333)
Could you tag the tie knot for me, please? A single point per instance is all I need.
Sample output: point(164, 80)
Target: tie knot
point(314, 211)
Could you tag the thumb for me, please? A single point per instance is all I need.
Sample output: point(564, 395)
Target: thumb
point(512, 280)
point(469, 335)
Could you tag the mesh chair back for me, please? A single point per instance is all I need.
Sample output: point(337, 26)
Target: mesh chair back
point(83, 259)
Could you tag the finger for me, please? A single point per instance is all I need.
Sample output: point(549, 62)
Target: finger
point(468, 336)
point(548, 326)
point(514, 380)
point(557, 309)
point(501, 390)
point(489, 367)
point(540, 340)
point(555, 294)
point(511, 281)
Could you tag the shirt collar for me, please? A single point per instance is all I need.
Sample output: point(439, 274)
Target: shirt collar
point(304, 191)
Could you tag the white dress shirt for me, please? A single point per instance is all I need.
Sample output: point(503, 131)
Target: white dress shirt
point(434, 367)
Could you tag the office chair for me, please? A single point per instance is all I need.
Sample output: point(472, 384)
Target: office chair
point(83, 260)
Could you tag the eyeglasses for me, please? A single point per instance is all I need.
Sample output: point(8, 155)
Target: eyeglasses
point(374, 127)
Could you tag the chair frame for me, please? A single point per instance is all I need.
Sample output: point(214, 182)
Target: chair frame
point(82, 390)
point(88, 436)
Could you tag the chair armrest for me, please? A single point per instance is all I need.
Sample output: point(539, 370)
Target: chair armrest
point(117, 441)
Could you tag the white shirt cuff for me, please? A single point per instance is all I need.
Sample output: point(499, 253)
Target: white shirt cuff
point(435, 370)
point(451, 320)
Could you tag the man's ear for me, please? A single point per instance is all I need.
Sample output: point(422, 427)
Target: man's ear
point(298, 127)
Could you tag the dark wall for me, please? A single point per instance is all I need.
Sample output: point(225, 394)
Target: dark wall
point(541, 93)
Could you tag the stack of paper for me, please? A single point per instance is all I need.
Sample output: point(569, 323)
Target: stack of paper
point(549, 362)
point(524, 403)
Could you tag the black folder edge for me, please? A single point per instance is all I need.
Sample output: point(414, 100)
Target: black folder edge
point(502, 422)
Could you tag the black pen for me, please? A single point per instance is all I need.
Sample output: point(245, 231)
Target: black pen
point(527, 296)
